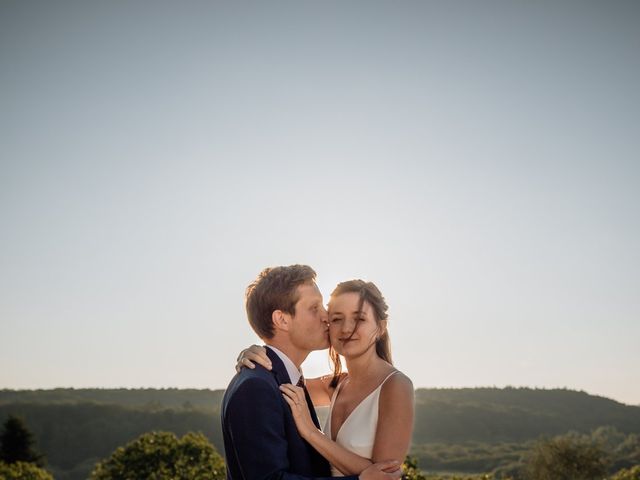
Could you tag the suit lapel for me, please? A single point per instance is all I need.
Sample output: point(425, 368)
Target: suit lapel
point(280, 372)
point(277, 367)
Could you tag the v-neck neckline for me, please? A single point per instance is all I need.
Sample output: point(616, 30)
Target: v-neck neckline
point(333, 403)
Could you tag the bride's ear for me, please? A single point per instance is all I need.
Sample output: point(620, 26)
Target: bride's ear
point(281, 320)
point(382, 329)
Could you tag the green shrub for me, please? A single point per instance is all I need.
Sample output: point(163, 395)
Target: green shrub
point(566, 457)
point(632, 473)
point(160, 455)
point(23, 471)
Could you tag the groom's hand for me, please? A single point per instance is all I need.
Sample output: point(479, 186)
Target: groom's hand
point(389, 470)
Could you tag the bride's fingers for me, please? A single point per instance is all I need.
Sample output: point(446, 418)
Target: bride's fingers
point(244, 362)
point(293, 388)
point(294, 391)
point(288, 392)
point(288, 387)
point(260, 351)
point(260, 359)
point(242, 352)
point(291, 392)
point(288, 400)
point(248, 363)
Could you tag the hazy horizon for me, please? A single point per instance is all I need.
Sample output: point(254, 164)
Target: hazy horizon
point(213, 389)
point(477, 161)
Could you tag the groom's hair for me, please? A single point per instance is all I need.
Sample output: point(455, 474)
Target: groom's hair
point(275, 288)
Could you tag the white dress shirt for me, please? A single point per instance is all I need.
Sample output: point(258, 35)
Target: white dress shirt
point(292, 370)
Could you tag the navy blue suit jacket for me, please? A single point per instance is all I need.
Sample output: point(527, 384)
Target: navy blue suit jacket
point(261, 440)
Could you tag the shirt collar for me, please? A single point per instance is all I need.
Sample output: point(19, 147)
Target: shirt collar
point(292, 370)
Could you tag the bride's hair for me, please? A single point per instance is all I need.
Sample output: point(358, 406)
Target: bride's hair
point(371, 294)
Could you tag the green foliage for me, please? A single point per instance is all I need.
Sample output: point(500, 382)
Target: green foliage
point(492, 415)
point(632, 473)
point(410, 470)
point(16, 443)
point(470, 456)
point(160, 455)
point(23, 471)
point(567, 457)
point(506, 460)
point(456, 430)
point(71, 434)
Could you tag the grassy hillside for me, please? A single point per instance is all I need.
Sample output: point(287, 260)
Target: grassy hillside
point(514, 414)
point(143, 397)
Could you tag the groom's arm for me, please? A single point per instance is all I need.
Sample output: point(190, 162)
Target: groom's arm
point(254, 418)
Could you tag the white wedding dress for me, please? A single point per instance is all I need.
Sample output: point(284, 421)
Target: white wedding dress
point(358, 432)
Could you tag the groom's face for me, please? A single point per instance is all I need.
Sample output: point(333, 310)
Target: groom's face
point(309, 328)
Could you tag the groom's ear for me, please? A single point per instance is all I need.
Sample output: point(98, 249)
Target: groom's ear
point(281, 320)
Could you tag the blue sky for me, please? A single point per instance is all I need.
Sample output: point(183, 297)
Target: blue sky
point(476, 160)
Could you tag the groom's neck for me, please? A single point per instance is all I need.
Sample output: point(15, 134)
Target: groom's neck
point(296, 355)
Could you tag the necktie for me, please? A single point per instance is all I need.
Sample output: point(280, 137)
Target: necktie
point(312, 410)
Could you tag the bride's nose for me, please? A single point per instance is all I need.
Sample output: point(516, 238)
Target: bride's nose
point(348, 326)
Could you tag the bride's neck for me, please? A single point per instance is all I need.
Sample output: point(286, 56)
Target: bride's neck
point(362, 366)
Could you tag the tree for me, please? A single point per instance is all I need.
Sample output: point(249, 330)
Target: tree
point(16, 443)
point(159, 455)
point(566, 457)
point(23, 471)
point(632, 473)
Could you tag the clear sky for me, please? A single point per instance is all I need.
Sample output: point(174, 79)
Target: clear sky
point(477, 160)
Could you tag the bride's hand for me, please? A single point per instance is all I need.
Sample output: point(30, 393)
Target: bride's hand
point(299, 408)
point(255, 353)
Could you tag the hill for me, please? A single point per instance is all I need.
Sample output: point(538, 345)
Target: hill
point(77, 427)
point(514, 414)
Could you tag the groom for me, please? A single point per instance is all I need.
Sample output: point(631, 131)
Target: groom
point(261, 441)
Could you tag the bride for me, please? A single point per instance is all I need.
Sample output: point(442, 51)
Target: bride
point(370, 407)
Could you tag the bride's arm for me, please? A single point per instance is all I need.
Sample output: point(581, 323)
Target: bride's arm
point(395, 419)
point(393, 433)
point(319, 388)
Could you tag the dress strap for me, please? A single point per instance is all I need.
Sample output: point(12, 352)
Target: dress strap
point(388, 377)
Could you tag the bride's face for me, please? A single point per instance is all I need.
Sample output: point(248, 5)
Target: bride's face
point(351, 332)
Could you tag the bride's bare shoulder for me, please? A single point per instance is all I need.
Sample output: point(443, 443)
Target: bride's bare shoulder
point(398, 387)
